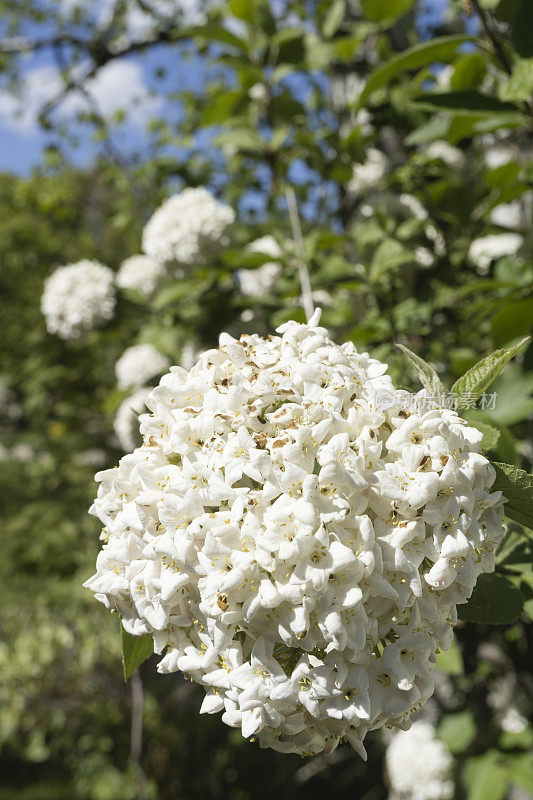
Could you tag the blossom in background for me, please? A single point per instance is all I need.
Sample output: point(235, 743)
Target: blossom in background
point(484, 250)
point(508, 215)
point(424, 257)
point(419, 766)
point(369, 173)
point(189, 355)
point(77, 298)
point(413, 205)
point(263, 279)
point(291, 544)
point(141, 274)
point(189, 228)
point(443, 151)
point(139, 363)
point(126, 423)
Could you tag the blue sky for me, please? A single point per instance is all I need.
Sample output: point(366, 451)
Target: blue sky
point(129, 84)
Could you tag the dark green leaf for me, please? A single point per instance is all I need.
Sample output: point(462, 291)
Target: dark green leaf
point(513, 320)
point(439, 49)
point(494, 601)
point(135, 650)
point(469, 71)
point(517, 486)
point(468, 100)
point(522, 29)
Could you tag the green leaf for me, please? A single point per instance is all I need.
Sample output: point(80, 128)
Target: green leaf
point(135, 650)
point(517, 486)
point(522, 29)
point(428, 377)
point(389, 255)
point(334, 18)
point(520, 84)
point(512, 393)
point(487, 777)
point(490, 435)
point(467, 100)
point(241, 139)
point(442, 48)
point(385, 10)
point(171, 294)
point(522, 774)
point(214, 33)
point(451, 661)
point(474, 382)
point(469, 71)
point(513, 320)
point(494, 601)
point(457, 731)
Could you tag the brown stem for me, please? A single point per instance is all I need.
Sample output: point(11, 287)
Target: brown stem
point(493, 36)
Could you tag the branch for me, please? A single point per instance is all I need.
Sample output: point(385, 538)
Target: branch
point(305, 283)
point(493, 35)
point(137, 702)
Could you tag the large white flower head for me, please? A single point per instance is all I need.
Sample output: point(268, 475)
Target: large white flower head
point(139, 363)
point(419, 766)
point(262, 280)
point(295, 534)
point(77, 298)
point(189, 228)
point(142, 274)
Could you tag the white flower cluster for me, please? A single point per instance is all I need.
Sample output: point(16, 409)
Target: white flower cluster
point(290, 544)
point(189, 228)
point(262, 280)
point(419, 766)
point(77, 297)
point(139, 363)
point(141, 274)
point(369, 173)
point(484, 250)
point(127, 419)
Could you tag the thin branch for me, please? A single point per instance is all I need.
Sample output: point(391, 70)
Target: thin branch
point(493, 35)
point(137, 703)
point(305, 283)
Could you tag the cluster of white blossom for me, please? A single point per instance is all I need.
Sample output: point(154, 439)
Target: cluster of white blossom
point(443, 151)
point(139, 363)
point(487, 248)
point(369, 173)
point(293, 543)
point(189, 228)
point(142, 274)
point(262, 280)
point(78, 297)
point(126, 423)
point(419, 766)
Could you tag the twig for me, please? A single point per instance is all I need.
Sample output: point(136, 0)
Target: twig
point(137, 703)
point(305, 283)
point(493, 36)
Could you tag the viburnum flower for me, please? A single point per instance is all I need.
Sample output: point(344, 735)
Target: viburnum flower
point(189, 228)
point(77, 298)
point(295, 534)
point(142, 274)
point(262, 280)
point(419, 766)
point(126, 423)
point(139, 363)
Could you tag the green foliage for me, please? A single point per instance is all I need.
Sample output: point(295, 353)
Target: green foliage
point(135, 651)
point(282, 104)
point(494, 601)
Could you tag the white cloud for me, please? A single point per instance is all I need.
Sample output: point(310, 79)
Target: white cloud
point(120, 85)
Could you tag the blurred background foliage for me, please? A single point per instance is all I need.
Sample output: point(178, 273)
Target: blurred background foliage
point(403, 146)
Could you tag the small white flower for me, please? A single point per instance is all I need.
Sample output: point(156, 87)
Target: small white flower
point(142, 274)
point(138, 364)
point(290, 543)
point(369, 173)
point(77, 298)
point(255, 282)
point(414, 206)
point(189, 228)
point(443, 151)
point(424, 257)
point(512, 721)
point(484, 250)
point(508, 215)
point(419, 766)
